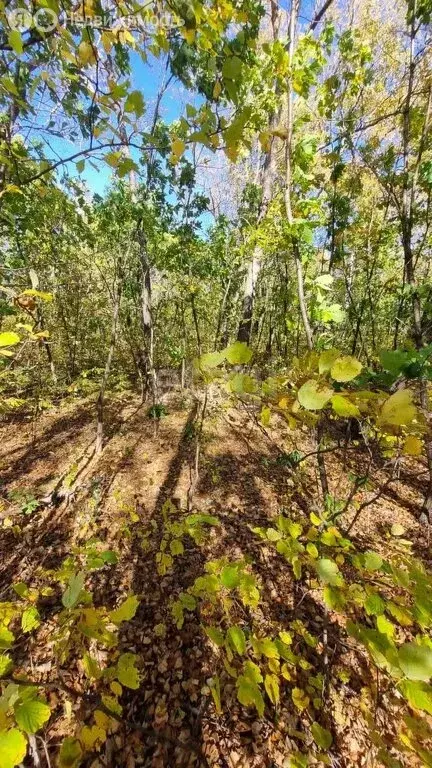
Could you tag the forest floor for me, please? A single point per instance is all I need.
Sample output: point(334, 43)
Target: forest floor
point(244, 484)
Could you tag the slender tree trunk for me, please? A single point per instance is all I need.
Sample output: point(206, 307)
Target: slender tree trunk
point(221, 313)
point(267, 175)
point(196, 324)
point(254, 268)
point(149, 371)
point(411, 170)
point(407, 194)
point(40, 322)
point(150, 376)
point(104, 382)
point(288, 177)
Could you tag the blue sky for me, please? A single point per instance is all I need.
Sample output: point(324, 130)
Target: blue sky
point(146, 77)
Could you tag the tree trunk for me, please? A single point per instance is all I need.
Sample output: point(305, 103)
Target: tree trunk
point(254, 268)
point(409, 188)
point(267, 175)
point(104, 382)
point(288, 177)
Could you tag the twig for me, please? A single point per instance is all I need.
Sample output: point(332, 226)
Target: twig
point(373, 499)
point(45, 748)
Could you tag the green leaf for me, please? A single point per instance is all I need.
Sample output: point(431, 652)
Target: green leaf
point(399, 409)
point(21, 588)
point(109, 557)
point(267, 647)
point(30, 619)
point(127, 673)
point(80, 165)
point(70, 753)
point(111, 703)
point(214, 685)
point(265, 416)
point(393, 360)
point(231, 68)
point(271, 684)
point(135, 103)
point(31, 715)
point(176, 547)
point(344, 408)
point(345, 368)
point(328, 572)
point(418, 694)
point(6, 638)
point(91, 667)
point(237, 640)
point(73, 590)
point(8, 339)
point(314, 396)
point(273, 535)
point(210, 360)
point(13, 748)
point(126, 611)
point(322, 737)
point(6, 664)
point(249, 694)
point(125, 166)
point(187, 601)
point(15, 41)
point(238, 353)
point(415, 661)
point(252, 672)
point(286, 637)
point(242, 383)
point(230, 576)
point(373, 561)
point(374, 605)
point(326, 359)
point(113, 159)
point(312, 550)
point(216, 635)
point(333, 598)
point(385, 626)
point(300, 699)
point(332, 313)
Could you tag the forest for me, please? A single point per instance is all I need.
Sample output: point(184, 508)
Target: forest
point(215, 383)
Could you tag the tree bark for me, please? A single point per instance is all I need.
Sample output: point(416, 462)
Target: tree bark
point(267, 175)
point(288, 177)
point(113, 341)
point(409, 188)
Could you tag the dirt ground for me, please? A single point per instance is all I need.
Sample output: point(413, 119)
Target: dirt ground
point(244, 484)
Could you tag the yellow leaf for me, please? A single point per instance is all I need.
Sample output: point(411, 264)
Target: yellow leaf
point(313, 396)
point(399, 409)
point(189, 35)
point(271, 684)
point(413, 446)
point(8, 339)
point(326, 359)
point(102, 720)
point(116, 688)
point(344, 407)
point(217, 90)
point(124, 36)
point(93, 737)
point(178, 147)
point(345, 368)
point(126, 611)
point(107, 38)
point(86, 54)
